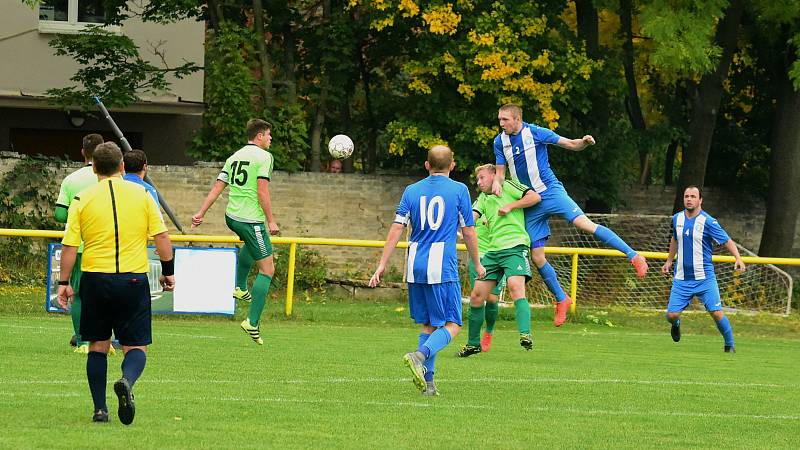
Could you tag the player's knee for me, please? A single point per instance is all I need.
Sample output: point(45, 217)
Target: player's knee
point(476, 298)
point(672, 316)
point(517, 288)
point(538, 258)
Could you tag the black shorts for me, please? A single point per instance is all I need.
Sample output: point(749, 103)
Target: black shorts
point(118, 302)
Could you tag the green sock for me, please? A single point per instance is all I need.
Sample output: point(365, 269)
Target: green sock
point(260, 290)
point(523, 313)
point(243, 266)
point(492, 309)
point(476, 316)
point(75, 312)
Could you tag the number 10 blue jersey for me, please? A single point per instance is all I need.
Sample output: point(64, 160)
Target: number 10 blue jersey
point(435, 208)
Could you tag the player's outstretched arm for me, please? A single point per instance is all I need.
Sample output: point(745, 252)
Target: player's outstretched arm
point(666, 269)
point(576, 144)
point(738, 264)
point(212, 196)
point(499, 178)
point(395, 232)
point(529, 199)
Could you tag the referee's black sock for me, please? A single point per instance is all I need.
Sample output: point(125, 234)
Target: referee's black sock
point(133, 365)
point(96, 369)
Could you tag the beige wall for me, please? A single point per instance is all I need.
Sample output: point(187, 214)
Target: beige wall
point(29, 65)
point(353, 206)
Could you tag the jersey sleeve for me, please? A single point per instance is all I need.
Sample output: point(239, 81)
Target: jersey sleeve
point(544, 135)
point(403, 212)
point(225, 174)
point(499, 156)
point(464, 208)
point(72, 232)
point(715, 231)
point(155, 223)
point(265, 170)
point(64, 197)
point(477, 206)
point(515, 189)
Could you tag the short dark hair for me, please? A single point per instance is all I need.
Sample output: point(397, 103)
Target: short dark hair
point(515, 110)
point(107, 157)
point(134, 160)
point(255, 126)
point(692, 186)
point(90, 143)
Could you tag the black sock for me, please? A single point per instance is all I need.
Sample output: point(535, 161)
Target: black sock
point(96, 369)
point(133, 365)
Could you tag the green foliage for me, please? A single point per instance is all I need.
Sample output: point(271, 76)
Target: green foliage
point(310, 272)
point(289, 137)
point(27, 198)
point(111, 68)
point(683, 32)
point(229, 87)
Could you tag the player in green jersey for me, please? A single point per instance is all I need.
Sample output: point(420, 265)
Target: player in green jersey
point(70, 187)
point(507, 254)
point(492, 308)
point(249, 215)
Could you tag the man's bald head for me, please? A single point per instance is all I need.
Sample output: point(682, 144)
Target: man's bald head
point(440, 158)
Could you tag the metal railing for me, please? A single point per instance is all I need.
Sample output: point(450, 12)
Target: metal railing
point(293, 242)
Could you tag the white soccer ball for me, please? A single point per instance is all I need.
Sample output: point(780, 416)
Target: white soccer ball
point(340, 146)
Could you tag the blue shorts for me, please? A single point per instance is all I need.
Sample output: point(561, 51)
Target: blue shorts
point(435, 304)
point(707, 291)
point(555, 202)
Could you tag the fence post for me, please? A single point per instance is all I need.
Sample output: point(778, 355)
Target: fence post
point(290, 278)
point(573, 288)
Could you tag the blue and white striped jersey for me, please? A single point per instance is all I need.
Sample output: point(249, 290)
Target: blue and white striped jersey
point(525, 155)
point(435, 208)
point(696, 239)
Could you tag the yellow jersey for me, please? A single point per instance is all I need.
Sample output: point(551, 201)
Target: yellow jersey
point(114, 218)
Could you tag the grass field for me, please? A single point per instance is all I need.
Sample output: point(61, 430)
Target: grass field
point(332, 377)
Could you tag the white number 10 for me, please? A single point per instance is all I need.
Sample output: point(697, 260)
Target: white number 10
point(426, 212)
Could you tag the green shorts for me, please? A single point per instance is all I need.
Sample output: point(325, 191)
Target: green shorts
point(255, 237)
point(506, 263)
point(498, 288)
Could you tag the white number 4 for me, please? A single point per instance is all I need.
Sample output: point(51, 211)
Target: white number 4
point(426, 212)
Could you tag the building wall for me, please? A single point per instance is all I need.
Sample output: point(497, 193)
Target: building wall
point(30, 66)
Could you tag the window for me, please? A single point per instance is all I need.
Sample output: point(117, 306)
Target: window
point(71, 16)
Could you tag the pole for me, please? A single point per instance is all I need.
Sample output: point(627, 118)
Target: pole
point(126, 147)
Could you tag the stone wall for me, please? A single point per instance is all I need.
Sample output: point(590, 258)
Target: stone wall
point(355, 206)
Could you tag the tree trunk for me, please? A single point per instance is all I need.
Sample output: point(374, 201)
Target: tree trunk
point(347, 120)
point(319, 115)
point(669, 162)
point(706, 105)
point(215, 15)
point(370, 162)
point(316, 131)
point(632, 100)
point(783, 200)
point(588, 28)
point(263, 56)
point(288, 49)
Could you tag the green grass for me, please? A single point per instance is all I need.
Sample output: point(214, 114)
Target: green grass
point(332, 377)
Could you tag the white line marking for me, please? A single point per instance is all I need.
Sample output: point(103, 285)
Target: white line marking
point(438, 404)
point(341, 380)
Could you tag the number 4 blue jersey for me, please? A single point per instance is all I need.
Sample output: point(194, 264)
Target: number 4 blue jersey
point(435, 208)
point(696, 238)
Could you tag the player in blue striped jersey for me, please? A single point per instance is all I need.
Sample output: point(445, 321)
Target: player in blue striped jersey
point(522, 147)
point(694, 235)
point(435, 208)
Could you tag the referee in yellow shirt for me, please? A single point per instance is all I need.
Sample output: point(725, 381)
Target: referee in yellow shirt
point(114, 218)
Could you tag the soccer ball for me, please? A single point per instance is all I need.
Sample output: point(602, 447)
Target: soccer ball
point(340, 146)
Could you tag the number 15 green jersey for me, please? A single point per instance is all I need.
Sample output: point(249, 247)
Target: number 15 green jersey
point(242, 172)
